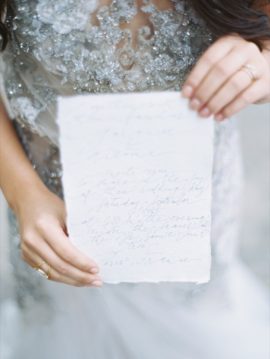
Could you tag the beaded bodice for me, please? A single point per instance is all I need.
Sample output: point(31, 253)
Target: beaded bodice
point(76, 46)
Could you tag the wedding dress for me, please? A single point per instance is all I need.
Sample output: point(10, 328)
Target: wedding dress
point(63, 47)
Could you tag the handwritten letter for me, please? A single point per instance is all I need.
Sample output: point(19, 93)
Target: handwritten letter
point(137, 184)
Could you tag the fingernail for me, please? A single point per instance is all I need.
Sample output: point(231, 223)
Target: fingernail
point(195, 104)
point(187, 91)
point(95, 279)
point(94, 270)
point(219, 117)
point(205, 112)
point(97, 283)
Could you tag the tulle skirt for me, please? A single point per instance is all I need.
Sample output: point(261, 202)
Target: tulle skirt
point(226, 318)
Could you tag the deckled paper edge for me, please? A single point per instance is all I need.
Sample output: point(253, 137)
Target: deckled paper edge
point(205, 279)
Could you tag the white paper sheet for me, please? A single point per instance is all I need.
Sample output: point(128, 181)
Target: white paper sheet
point(137, 173)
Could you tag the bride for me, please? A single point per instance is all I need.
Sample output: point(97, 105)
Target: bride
point(218, 54)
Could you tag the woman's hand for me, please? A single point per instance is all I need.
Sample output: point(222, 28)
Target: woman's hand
point(44, 238)
point(215, 85)
point(41, 215)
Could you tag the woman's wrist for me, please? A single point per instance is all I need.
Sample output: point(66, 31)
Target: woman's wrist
point(25, 190)
point(18, 179)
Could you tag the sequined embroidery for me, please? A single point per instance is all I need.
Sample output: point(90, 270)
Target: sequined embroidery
point(55, 49)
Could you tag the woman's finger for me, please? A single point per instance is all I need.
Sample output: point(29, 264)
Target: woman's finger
point(229, 91)
point(42, 249)
point(56, 238)
point(34, 260)
point(221, 72)
point(252, 94)
point(215, 53)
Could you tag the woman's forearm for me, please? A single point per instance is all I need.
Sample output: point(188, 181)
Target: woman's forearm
point(41, 216)
point(18, 179)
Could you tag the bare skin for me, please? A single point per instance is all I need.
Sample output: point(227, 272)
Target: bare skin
point(138, 21)
point(214, 87)
point(218, 86)
point(41, 215)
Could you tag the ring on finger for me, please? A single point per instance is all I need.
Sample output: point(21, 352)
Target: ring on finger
point(251, 71)
point(44, 273)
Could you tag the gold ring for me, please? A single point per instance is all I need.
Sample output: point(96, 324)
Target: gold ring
point(251, 71)
point(45, 274)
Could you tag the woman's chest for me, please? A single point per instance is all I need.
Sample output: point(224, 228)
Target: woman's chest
point(117, 45)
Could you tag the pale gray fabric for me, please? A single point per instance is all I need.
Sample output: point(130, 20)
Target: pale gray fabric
point(56, 50)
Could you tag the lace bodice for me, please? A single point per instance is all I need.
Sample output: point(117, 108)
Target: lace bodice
point(76, 46)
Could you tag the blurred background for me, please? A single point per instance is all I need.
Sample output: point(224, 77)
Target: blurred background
point(254, 125)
